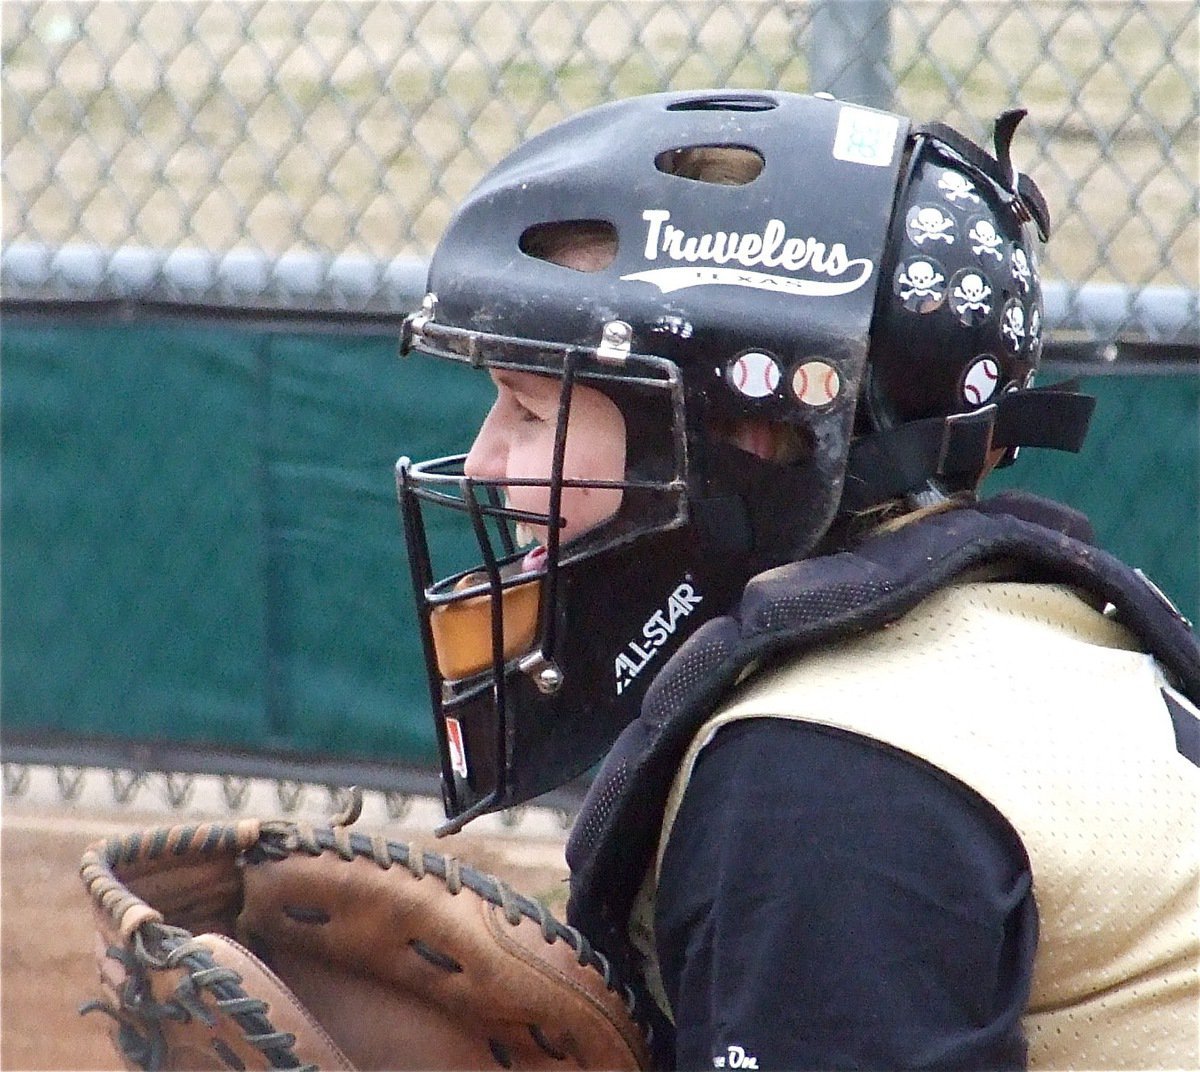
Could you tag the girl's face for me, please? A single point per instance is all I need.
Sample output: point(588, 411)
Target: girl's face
point(516, 440)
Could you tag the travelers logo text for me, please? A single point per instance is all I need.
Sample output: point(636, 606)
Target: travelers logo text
point(773, 247)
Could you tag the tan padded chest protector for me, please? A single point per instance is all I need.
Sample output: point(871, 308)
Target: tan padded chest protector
point(1047, 709)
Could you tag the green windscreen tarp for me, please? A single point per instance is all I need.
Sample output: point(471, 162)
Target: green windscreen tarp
point(200, 539)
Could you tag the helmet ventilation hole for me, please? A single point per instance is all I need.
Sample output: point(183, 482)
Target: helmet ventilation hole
point(722, 165)
point(583, 245)
point(746, 103)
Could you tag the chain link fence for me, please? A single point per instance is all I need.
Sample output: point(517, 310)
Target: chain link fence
point(306, 156)
point(234, 151)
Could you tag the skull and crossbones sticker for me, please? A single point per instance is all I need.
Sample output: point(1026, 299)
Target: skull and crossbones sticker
point(1020, 270)
point(957, 188)
point(1035, 330)
point(928, 223)
point(970, 297)
point(920, 284)
point(985, 241)
point(1012, 324)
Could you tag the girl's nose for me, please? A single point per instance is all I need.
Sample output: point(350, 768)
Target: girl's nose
point(488, 455)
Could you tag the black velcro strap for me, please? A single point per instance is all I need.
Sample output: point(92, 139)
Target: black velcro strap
point(1022, 192)
point(896, 460)
point(890, 462)
point(1047, 417)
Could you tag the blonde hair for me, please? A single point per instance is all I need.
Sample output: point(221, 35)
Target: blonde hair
point(895, 514)
point(722, 165)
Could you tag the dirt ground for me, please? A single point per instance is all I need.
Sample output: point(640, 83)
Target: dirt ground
point(47, 966)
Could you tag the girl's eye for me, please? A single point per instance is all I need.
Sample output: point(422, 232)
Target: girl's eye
point(524, 413)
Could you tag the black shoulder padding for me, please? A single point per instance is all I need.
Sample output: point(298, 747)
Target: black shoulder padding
point(823, 600)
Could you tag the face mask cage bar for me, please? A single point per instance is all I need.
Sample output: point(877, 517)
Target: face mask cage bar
point(442, 482)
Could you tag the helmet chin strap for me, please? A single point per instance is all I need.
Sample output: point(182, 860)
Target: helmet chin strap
point(905, 459)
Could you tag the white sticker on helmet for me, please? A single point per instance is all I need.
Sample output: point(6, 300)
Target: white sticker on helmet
point(920, 284)
point(1020, 270)
point(1035, 326)
point(754, 374)
point(816, 383)
point(928, 223)
point(985, 239)
point(981, 381)
point(458, 751)
point(970, 297)
point(957, 188)
point(1012, 324)
point(865, 137)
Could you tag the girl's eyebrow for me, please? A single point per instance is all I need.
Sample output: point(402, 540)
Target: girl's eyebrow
point(524, 383)
point(502, 377)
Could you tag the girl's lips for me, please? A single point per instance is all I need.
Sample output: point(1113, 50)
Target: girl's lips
point(535, 559)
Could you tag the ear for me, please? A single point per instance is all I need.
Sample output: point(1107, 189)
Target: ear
point(757, 437)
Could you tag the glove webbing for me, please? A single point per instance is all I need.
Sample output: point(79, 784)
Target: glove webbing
point(180, 950)
point(157, 945)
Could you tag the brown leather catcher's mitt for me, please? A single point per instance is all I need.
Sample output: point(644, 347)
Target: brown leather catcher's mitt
point(272, 944)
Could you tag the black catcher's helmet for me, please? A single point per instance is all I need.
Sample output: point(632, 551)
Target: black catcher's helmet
point(866, 286)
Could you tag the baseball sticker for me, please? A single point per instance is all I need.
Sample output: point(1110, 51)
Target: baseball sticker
point(981, 380)
point(865, 137)
point(816, 383)
point(458, 751)
point(753, 374)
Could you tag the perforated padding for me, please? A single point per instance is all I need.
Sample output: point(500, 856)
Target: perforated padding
point(686, 672)
point(605, 792)
point(804, 608)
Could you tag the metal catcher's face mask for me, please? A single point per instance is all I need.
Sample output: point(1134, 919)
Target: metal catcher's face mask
point(517, 655)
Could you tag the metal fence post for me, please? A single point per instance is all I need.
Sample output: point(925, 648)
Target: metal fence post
point(850, 50)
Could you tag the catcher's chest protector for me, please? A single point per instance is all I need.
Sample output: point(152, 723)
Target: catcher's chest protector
point(815, 602)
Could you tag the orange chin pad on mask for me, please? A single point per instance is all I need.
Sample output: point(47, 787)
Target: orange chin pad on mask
point(462, 631)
